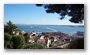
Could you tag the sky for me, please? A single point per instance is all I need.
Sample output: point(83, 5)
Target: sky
point(31, 14)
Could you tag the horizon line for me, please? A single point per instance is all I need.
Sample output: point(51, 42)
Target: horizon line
point(49, 24)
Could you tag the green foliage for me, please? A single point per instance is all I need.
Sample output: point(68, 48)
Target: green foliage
point(10, 40)
point(26, 36)
point(7, 41)
point(75, 11)
point(7, 37)
point(27, 39)
point(18, 42)
point(8, 44)
point(50, 45)
point(15, 42)
point(36, 46)
point(9, 27)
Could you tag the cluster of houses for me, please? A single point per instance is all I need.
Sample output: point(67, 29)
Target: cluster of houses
point(49, 38)
point(57, 38)
point(40, 38)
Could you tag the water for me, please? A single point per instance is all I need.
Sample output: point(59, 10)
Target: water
point(51, 28)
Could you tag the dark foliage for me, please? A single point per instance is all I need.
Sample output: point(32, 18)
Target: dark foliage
point(75, 11)
point(26, 36)
point(9, 27)
point(7, 41)
point(12, 41)
point(36, 46)
point(18, 42)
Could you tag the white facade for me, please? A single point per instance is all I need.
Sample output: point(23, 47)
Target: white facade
point(48, 43)
point(31, 41)
point(55, 39)
point(17, 33)
point(13, 32)
point(42, 37)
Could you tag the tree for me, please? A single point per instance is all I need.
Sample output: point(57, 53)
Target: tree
point(7, 41)
point(13, 41)
point(9, 27)
point(18, 42)
point(26, 36)
point(7, 37)
point(8, 44)
point(75, 11)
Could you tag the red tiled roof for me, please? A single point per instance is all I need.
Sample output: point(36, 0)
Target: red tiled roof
point(31, 38)
point(41, 40)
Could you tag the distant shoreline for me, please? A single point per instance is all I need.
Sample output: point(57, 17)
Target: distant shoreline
point(51, 28)
point(49, 24)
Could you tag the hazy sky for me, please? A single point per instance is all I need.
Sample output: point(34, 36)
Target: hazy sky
point(31, 14)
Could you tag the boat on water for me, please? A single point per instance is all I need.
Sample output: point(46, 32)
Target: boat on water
point(31, 27)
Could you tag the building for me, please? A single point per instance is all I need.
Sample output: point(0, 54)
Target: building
point(31, 39)
point(48, 42)
point(16, 31)
point(41, 39)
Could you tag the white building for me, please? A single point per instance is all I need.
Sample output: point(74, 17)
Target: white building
point(48, 42)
